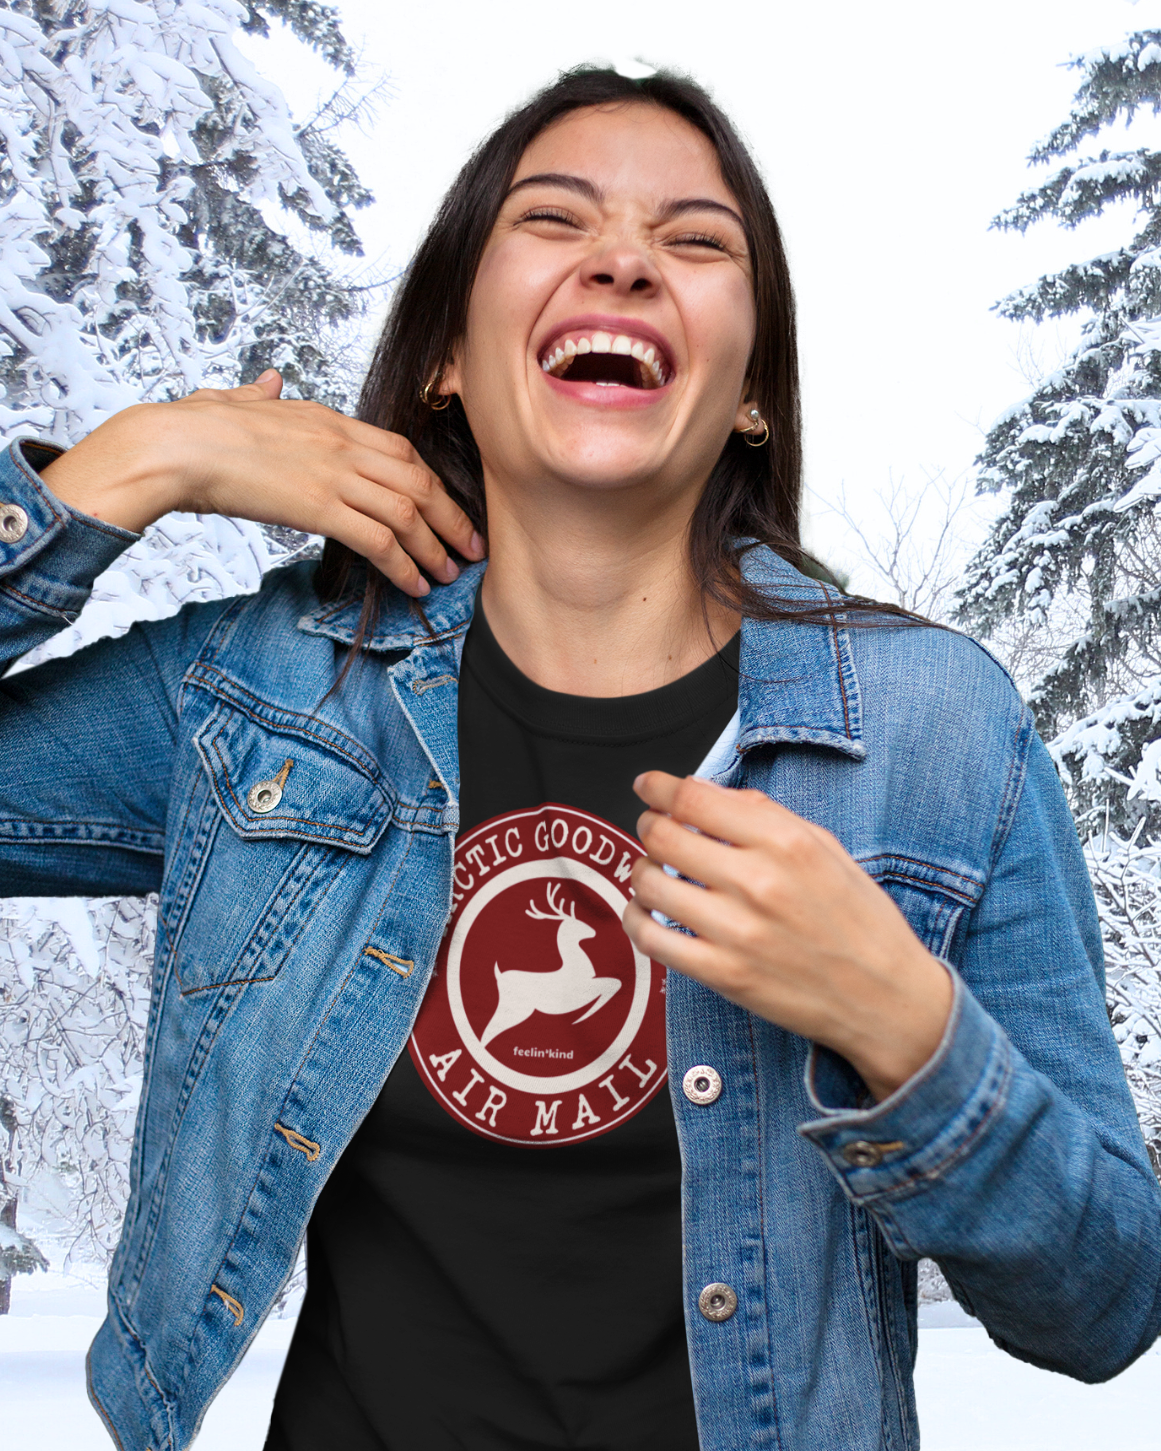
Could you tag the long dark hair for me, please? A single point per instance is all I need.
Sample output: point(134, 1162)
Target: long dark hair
point(751, 494)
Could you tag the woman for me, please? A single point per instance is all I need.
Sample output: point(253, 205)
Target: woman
point(390, 808)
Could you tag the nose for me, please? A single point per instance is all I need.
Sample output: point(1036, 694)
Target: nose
point(620, 268)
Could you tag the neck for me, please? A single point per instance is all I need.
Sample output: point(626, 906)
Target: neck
point(587, 599)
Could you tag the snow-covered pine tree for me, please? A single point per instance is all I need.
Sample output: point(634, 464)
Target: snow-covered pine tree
point(1076, 553)
point(164, 224)
point(1080, 460)
point(143, 158)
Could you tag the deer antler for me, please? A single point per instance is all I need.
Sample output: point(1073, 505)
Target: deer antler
point(557, 914)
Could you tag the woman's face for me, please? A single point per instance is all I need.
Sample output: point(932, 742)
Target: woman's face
point(612, 315)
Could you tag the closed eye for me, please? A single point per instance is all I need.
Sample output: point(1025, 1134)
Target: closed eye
point(550, 214)
point(698, 239)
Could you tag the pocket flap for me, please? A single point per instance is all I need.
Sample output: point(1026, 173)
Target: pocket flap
point(273, 782)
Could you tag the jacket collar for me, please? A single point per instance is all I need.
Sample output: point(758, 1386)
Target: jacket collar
point(798, 684)
point(400, 626)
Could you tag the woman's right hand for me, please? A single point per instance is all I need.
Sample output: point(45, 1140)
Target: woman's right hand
point(248, 453)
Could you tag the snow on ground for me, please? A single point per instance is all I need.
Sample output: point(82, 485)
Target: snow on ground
point(972, 1397)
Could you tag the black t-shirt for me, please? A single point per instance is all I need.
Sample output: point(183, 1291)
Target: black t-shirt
point(495, 1264)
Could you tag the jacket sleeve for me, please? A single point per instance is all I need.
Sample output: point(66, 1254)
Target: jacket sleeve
point(49, 554)
point(1013, 1158)
point(86, 743)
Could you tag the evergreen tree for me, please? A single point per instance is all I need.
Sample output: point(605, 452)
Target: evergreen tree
point(1076, 552)
point(141, 159)
point(1071, 573)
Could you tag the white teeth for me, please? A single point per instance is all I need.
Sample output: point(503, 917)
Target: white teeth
point(602, 342)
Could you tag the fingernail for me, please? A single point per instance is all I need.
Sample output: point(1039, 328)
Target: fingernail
point(476, 544)
point(637, 782)
point(451, 570)
point(422, 588)
point(269, 373)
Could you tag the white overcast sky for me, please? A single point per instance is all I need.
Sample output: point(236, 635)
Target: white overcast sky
point(889, 134)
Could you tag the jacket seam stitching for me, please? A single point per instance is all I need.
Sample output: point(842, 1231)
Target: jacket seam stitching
point(762, 1230)
point(842, 659)
point(76, 825)
point(872, 1294)
point(173, 706)
point(386, 642)
point(838, 651)
point(933, 889)
point(185, 1095)
point(40, 606)
point(153, 1029)
point(879, 1249)
point(1010, 800)
point(99, 528)
point(99, 1404)
point(202, 834)
point(127, 1326)
point(919, 862)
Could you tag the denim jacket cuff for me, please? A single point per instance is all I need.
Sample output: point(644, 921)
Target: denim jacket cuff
point(49, 553)
point(928, 1123)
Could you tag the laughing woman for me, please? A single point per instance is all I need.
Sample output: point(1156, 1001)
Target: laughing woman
point(587, 1153)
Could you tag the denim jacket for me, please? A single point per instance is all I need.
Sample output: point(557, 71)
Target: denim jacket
point(294, 943)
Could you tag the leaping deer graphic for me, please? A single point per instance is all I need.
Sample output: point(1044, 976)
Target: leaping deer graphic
point(573, 985)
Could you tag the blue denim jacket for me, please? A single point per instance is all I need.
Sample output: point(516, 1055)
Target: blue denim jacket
point(294, 945)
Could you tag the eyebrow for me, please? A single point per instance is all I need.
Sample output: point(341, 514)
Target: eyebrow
point(583, 187)
point(578, 184)
point(698, 204)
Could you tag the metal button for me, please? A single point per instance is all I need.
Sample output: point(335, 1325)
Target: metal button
point(862, 1154)
point(702, 1084)
point(264, 797)
point(13, 523)
point(717, 1302)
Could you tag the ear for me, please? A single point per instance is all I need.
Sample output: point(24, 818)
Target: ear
point(748, 418)
point(449, 380)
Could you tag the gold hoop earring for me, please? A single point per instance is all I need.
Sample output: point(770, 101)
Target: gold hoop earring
point(756, 419)
point(443, 399)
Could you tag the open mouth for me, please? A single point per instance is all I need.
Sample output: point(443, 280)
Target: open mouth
point(611, 360)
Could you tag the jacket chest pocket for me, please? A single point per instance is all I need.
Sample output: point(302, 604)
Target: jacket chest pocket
point(934, 899)
point(272, 821)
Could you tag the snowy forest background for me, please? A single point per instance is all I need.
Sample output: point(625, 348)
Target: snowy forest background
point(167, 223)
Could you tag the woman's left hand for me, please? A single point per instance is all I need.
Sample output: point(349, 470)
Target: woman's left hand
point(788, 925)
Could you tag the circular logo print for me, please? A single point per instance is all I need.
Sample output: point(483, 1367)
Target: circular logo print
point(542, 1023)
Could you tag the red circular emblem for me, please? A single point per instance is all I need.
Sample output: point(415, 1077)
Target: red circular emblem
point(542, 1023)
